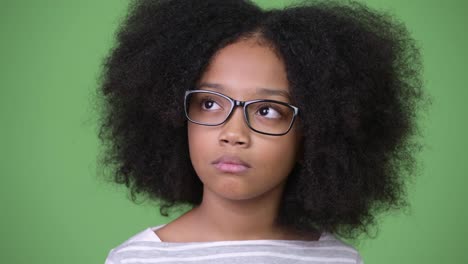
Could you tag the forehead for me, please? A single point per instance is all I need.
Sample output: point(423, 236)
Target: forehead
point(246, 68)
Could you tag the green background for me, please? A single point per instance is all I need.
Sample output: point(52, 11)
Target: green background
point(56, 209)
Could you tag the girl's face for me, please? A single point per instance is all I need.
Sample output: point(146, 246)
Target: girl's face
point(233, 161)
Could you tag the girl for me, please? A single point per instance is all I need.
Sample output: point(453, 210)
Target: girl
point(282, 129)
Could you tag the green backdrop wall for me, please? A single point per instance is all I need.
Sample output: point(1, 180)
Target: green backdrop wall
point(56, 209)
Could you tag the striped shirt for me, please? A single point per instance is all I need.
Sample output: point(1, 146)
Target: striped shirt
point(146, 247)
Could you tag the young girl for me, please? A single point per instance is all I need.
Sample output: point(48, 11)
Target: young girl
point(283, 129)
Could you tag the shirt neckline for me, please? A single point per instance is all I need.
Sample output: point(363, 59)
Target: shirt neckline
point(153, 236)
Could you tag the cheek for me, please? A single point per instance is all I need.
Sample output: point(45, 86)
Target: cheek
point(199, 141)
point(193, 139)
point(278, 158)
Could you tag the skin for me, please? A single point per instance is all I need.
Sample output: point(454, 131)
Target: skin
point(239, 206)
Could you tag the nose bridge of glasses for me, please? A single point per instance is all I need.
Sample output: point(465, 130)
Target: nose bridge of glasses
point(235, 104)
point(238, 103)
point(235, 107)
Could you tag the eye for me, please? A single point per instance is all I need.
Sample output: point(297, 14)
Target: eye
point(209, 104)
point(268, 111)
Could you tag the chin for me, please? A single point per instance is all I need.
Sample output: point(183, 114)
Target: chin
point(233, 192)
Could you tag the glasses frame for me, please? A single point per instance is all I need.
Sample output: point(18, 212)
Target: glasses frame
point(244, 104)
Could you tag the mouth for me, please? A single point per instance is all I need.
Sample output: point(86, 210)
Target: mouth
point(231, 164)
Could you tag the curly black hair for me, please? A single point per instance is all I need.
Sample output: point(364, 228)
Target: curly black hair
point(355, 74)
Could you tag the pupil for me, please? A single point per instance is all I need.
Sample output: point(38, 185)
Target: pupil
point(208, 104)
point(264, 111)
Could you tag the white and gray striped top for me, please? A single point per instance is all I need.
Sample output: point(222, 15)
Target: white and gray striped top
point(146, 247)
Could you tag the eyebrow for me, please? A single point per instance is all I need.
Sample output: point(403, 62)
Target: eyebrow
point(211, 85)
point(259, 90)
point(268, 91)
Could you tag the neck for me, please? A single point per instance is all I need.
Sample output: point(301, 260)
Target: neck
point(226, 219)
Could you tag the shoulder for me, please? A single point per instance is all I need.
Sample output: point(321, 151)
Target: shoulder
point(340, 249)
point(136, 241)
point(146, 235)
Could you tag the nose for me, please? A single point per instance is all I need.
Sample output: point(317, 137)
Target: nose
point(235, 131)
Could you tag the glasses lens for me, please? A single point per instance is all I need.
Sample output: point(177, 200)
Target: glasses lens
point(207, 108)
point(270, 117)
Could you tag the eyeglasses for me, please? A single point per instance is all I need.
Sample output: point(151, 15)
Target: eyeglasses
point(264, 116)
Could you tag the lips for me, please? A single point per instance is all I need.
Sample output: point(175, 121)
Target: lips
point(231, 164)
